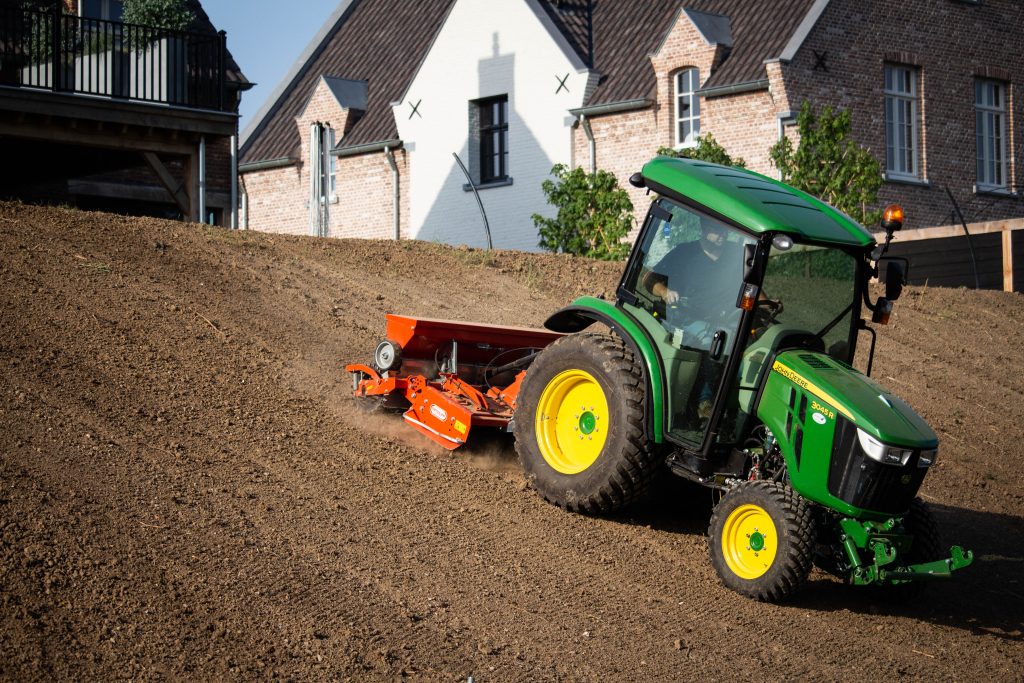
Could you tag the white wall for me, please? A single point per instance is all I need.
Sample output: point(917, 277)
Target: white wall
point(488, 48)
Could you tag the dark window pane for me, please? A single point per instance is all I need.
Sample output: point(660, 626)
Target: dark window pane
point(92, 9)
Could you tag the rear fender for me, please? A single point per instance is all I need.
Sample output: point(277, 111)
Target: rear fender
point(587, 310)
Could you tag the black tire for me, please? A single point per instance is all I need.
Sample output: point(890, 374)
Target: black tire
point(750, 563)
point(625, 462)
point(926, 547)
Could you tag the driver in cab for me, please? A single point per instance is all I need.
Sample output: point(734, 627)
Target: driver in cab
point(708, 271)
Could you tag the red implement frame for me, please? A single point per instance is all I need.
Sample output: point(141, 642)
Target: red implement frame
point(446, 374)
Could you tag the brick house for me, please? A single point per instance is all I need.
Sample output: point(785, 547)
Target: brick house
point(101, 114)
point(359, 138)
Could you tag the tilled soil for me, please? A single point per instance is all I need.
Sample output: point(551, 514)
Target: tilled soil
point(186, 491)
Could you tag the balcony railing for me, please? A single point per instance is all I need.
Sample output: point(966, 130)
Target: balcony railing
point(66, 53)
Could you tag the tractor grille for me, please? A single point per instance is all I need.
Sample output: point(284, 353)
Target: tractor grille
point(864, 483)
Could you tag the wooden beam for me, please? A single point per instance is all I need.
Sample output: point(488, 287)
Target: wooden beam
point(956, 230)
point(41, 102)
point(145, 193)
point(63, 134)
point(177, 190)
point(1007, 261)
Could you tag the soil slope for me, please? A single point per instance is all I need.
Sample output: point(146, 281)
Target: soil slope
point(186, 491)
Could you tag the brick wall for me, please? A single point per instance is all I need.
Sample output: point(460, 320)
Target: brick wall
point(276, 200)
point(362, 205)
point(624, 143)
point(856, 39)
point(745, 124)
point(950, 43)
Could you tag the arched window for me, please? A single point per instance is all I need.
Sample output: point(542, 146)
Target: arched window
point(687, 82)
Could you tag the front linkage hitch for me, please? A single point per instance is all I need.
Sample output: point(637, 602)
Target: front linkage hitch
point(879, 541)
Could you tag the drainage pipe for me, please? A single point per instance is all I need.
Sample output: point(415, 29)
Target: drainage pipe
point(784, 119)
point(245, 209)
point(233, 221)
point(585, 123)
point(395, 196)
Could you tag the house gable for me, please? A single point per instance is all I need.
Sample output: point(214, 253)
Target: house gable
point(484, 50)
point(684, 46)
point(377, 41)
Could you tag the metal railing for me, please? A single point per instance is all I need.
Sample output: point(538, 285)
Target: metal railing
point(72, 54)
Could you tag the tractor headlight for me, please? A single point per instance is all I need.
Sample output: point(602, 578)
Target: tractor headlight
point(927, 458)
point(878, 451)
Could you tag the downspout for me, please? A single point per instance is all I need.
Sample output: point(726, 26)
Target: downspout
point(585, 123)
point(390, 157)
point(245, 209)
point(202, 179)
point(233, 221)
point(784, 118)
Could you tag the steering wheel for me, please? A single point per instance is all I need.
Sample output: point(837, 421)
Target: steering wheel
point(765, 313)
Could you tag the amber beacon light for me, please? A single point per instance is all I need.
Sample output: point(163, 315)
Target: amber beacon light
point(892, 217)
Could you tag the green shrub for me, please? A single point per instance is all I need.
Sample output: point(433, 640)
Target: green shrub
point(707, 149)
point(594, 214)
point(830, 165)
point(173, 15)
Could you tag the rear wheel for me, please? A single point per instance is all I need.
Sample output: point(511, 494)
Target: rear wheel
point(761, 540)
point(579, 425)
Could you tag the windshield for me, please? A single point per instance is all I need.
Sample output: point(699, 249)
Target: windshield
point(817, 288)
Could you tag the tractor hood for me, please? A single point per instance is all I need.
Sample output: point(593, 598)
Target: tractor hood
point(865, 403)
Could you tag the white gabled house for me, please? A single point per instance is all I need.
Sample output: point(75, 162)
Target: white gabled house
point(510, 78)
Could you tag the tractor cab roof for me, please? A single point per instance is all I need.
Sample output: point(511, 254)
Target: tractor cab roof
point(754, 201)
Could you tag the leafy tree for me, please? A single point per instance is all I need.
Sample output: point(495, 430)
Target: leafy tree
point(829, 164)
point(707, 149)
point(173, 15)
point(594, 214)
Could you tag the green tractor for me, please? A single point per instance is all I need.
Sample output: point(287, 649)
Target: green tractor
point(727, 360)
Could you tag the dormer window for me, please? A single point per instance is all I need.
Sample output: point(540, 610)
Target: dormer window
point(687, 103)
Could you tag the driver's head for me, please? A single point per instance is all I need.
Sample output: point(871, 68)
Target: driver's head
point(712, 237)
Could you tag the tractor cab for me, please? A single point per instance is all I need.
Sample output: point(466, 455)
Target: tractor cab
point(719, 301)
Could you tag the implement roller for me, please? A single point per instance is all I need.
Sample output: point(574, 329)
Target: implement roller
point(448, 376)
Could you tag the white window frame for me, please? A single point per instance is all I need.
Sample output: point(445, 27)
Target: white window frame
point(686, 82)
point(332, 167)
point(901, 107)
point(990, 135)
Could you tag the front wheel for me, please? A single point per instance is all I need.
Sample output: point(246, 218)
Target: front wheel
point(761, 540)
point(579, 425)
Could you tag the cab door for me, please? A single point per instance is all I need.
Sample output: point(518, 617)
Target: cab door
point(682, 285)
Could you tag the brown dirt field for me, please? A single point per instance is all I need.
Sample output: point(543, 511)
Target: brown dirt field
point(185, 491)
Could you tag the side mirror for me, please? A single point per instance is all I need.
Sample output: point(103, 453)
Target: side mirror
point(749, 256)
point(895, 278)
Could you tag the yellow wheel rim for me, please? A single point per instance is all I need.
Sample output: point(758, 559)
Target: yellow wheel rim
point(571, 421)
point(749, 541)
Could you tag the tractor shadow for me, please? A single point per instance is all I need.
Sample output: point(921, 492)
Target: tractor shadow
point(986, 598)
